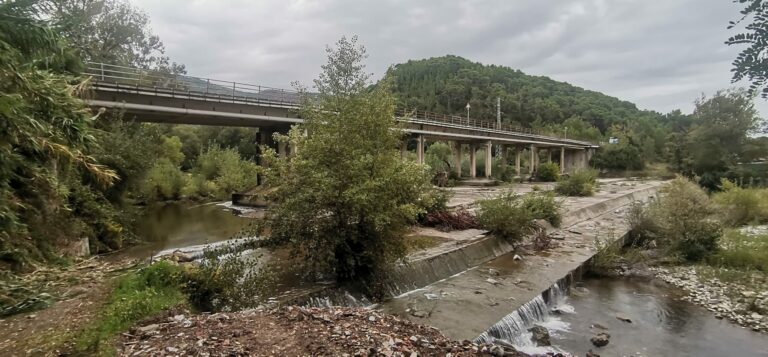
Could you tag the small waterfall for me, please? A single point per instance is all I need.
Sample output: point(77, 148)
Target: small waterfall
point(513, 328)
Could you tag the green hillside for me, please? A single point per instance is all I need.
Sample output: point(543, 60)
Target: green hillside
point(445, 84)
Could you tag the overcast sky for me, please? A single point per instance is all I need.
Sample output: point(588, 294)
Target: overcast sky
point(659, 54)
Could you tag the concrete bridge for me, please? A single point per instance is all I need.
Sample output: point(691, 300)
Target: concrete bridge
point(150, 96)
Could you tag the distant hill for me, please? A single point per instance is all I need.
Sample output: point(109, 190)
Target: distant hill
point(445, 84)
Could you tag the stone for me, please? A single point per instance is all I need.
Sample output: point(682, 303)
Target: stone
point(419, 313)
point(591, 354)
point(493, 272)
point(492, 281)
point(540, 336)
point(517, 257)
point(147, 329)
point(497, 351)
point(181, 257)
point(624, 318)
point(600, 340)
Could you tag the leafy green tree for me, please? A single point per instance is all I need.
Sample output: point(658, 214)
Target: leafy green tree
point(750, 63)
point(344, 200)
point(111, 31)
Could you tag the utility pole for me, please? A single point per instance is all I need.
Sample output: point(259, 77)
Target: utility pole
point(498, 123)
point(468, 106)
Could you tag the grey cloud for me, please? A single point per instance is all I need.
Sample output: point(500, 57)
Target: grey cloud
point(659, 54)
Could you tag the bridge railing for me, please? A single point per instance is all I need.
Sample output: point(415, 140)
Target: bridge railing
point(176, 84)
point(160, 82)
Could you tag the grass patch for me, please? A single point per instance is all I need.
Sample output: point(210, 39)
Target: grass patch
point(741, 251)
point(740, 206)
point(138, 295)
point(511, 216)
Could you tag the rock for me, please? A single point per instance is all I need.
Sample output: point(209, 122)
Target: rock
point(748, 294)
point(493, 272)
point(419, 313)
point(600, 340)
point(181, 257)
point(624, 318)
point(598, 326)
point(372, 318)
point(492, 281)
point(591, 354)
point(171, 349)
point(540, 336)
point(517, 257)
point(148, 329)
point(497, 351)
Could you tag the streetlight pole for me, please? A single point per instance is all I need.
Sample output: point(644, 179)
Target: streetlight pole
point(468, 106)
point(566, 133)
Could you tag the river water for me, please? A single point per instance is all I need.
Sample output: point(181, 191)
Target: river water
point(662, 324)
point(177, 225)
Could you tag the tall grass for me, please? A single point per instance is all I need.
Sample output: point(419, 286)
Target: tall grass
point(740, 206)
point(741, 251)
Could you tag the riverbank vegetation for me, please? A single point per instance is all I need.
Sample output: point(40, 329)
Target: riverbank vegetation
point(512, 216)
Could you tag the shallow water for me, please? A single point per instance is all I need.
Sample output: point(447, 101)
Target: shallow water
point(662, 324)
point(177, 225)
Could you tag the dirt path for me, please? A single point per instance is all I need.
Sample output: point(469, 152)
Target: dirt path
point(80, 291)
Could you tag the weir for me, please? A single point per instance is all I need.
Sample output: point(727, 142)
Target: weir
point(500, 298)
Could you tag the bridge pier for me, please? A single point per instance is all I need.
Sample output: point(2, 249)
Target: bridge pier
point(404, 148)
point(562, 160)
point(488, 158)
point(518, 155)
point(420, 149)
point(472, 160)
point(534, 163)
point(457, 153)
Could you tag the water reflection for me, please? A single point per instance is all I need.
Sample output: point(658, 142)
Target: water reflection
point(176, 225)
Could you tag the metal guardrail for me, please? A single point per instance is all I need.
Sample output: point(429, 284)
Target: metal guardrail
point(174, 84)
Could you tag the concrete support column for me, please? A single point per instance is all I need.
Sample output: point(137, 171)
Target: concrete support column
point(504, 155)
point(282, 149)
point(420, 150)
point(488, 159)
point(472, 160)
point(457, 158)
point(534, 160)
point(518, 154)
point(404, 149)
point(562, 160)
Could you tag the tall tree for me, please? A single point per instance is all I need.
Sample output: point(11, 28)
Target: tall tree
point(111, 31)
point(345, 198)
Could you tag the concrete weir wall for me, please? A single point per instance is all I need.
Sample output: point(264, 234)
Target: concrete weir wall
point(466, 305)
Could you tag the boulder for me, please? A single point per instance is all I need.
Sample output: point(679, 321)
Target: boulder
point(600, 340)
point(540, 336)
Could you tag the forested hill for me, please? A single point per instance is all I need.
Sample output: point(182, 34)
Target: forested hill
point(446, 84)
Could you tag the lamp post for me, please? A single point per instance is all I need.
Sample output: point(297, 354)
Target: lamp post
point(468, 106)
point(565, 136)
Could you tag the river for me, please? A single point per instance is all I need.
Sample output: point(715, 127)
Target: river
point(177, 225)
point(662, 324)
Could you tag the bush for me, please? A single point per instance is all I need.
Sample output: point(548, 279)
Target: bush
point(164, 181)
point(682, 218)
point(548, 172)
point(580, 183)
point(226, 170)
point(740, 206)
point(511, 216)
point(230, 279)
point(543, 206)
point(449, 221)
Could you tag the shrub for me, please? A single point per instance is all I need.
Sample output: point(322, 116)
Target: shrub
point(511, 216)
point(164, 181)
point(230, 279)
point(642, 228)
point(543, 206)
point(548, 172)
point(740, 206)
point(226, 169)
point(681, 217)
point(580, 183)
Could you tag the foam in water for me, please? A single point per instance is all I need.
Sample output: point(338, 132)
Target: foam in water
point(513, 328)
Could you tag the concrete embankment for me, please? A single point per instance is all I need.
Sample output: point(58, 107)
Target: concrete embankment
point(465, 305)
